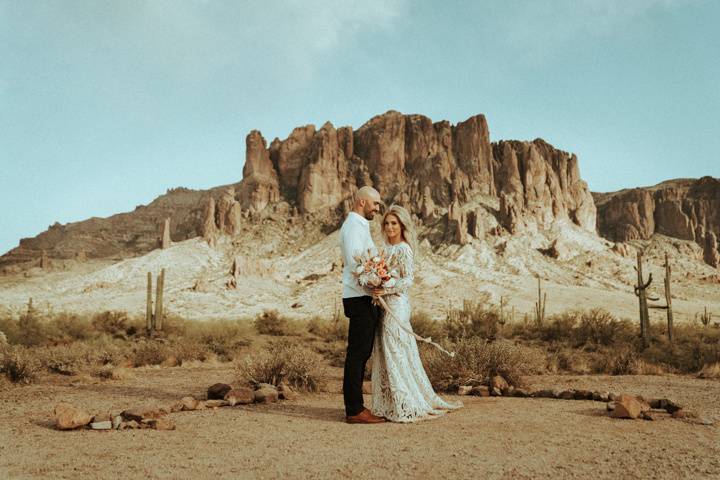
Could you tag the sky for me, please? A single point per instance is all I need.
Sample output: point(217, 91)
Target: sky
point(104, 105)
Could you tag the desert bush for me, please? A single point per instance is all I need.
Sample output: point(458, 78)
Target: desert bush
point(333, 352)
point(284, 360)
point(66, 359)
point(599, 327)
point(330, 330)
point(19, 364)
point(425, 326)
point(476, 318)
point(224, 337)
point(115, 324)
point(270, 322)
point(476, 360)
point(150, 352)
point(191, 349)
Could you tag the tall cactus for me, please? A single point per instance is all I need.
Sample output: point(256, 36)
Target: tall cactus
point(640, 292)
point(540, 305)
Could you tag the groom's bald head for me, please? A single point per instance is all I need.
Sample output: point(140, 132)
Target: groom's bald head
point(367, 202)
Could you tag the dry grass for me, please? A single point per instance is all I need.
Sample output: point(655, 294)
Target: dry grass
point(284, 360)
point(476, 360)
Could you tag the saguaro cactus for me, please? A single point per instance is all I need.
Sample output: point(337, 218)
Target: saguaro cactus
point(640, 292)
point(154, 320)
point(540, 305)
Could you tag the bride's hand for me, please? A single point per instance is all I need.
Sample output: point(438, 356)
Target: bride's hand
point(378, 291)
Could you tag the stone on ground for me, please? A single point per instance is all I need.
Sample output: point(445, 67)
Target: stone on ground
point(240, 396)
point(68, 417)
point(218, 391)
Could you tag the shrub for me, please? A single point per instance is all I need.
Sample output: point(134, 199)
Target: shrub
point(224, 338)
point(599, 327)
point(475, 319)
point(284, 360)
point(271, 323)
point(150, 352)
point(112, 323)
point(66, 359)
point(329, 330)
point(425, 326)
point(476, 360)
point(18, 364)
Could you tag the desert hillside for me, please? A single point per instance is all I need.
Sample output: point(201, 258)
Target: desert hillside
point(493, 217)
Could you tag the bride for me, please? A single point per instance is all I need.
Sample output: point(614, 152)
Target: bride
point(401, 389)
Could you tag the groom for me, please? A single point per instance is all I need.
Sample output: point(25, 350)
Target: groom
point(355, 239)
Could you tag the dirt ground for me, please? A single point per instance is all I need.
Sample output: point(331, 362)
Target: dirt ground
point(307, 438)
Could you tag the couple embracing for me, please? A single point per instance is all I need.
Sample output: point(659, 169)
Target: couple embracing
point(401, 391)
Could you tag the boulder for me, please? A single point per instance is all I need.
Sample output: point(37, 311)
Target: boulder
point(498, 382)
point(240, 396)
point(480, 391)
point(287, 393)
point(629, 406)
point(189, 404)
point(218, 391)
point(464, 389)
point(216, 403)
point(68, 417)
point(143, 412)
point(567, 395)
point(266, 394)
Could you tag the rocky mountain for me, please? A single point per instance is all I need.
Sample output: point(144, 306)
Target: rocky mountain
point(437, 170)
point(688, 209)
point(460, 186)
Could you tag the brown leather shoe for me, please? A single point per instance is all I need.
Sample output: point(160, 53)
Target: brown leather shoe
point(364, 417)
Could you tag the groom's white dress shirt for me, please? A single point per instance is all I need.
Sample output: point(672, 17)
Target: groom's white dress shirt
point(355, 239)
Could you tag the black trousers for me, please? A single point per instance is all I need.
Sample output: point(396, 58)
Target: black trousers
point(364, 318)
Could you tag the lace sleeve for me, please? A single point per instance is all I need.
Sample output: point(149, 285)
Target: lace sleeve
point(404, 257)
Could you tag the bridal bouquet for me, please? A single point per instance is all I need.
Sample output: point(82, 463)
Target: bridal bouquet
point(381, 271)
point(376, 271)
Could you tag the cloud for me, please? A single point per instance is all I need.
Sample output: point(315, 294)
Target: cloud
point(536, 29)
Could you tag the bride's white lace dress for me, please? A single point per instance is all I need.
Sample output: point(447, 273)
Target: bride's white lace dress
point(401, 389)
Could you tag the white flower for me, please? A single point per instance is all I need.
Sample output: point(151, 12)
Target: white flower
point(390, 283)
point(360, 269)
point(376, 259)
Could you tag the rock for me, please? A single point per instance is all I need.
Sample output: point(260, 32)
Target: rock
point(567, 395)
point(117, 422)
point(601, 396)
point(106, 425)
point(287, 393)
point(464, 389)
point(610, 406)
point(130, 425)
point(679, 414)
point(189, 404)
point(480, 391)
point(710, 250)
point(498, 382)
point(545, 393)
point(141, 413)
point(165, 235)
point(628, 406)
point(670, 406)
point(170, 361)
point(612, 397)
point(496, 392)
point(216, 403)
point(102, 417)
point(583, 395)
point(174, 407)
point(520, 393)
point(240, 396)
point(647, 415)
point(160, 423)
point(218, 391)
point(68, 417)
point(266, 394)
point(682, 208)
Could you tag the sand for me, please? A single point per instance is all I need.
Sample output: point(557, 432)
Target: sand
point(307, 438)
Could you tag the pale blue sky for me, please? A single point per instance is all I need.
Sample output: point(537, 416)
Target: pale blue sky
point(106, 104)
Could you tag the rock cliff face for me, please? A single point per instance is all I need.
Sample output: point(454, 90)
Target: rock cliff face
point(685, 208)
point(434, 169)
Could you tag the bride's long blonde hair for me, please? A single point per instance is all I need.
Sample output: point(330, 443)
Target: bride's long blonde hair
point(407, 226)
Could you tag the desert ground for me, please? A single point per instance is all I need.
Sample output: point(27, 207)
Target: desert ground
point(492, 437)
